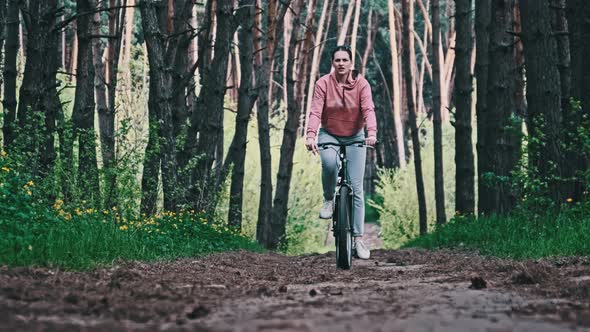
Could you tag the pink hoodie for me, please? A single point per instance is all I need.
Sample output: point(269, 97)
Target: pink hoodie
point(342, 110)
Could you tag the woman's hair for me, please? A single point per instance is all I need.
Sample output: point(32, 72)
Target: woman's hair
point(345, 48)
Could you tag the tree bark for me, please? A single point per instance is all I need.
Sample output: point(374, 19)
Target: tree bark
point(10, 70)
point(315, 62)
point(543, 95)
point(160, 100)
point(264, 224)
point(483, 16)
point(439, 188)
point(355, 28)
point(408, 60)
point(83, 112)
point(246, 99)
point(464, 188)
point(303, 65)
point(576, 115)
point(281, 200)
point(501, 131)
point(396, 79)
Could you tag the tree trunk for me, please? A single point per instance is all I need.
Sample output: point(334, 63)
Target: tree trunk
point(464, 189)
point(346, 24)
point(263, 226)
point(151, 161)
point(408, 60)
point(373, 24)
point(83, 112)
point(246, 99)
point(281, 200)
point(160, 99)
point(501, 131)
point(11, 50)
point(303, 66)
point(483, 16)
point(397, 99)
point(439, 187)
point(100, 92)
point(315, 62)
point(543, 95)
point(355, 28)
point(576, 115)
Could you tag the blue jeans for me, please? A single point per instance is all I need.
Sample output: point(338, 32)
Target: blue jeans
point(356, 171)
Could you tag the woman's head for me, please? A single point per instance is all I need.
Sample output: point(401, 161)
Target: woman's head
point(342, 59)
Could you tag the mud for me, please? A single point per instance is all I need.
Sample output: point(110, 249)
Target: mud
point(405, 290)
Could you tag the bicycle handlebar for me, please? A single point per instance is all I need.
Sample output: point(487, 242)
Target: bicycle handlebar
point(357, 143)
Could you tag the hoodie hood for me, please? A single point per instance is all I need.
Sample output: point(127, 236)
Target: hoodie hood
point(352, 80)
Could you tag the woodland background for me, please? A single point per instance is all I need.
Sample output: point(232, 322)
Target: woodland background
point(148, 123)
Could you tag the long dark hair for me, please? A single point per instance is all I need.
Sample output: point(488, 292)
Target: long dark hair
point(345, 48)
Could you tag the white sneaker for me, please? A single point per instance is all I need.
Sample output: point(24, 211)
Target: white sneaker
point(327, 209)
point(362, 251)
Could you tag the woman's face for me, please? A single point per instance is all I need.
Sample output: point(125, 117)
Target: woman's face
point(341, 62)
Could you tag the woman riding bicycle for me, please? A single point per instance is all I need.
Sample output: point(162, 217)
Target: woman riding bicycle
point(343, 104)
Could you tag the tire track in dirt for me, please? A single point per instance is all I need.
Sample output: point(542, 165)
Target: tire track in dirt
point(404, 290)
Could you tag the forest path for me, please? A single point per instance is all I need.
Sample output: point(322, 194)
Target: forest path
point(401, 290)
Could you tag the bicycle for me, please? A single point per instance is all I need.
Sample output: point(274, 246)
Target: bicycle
point(342, 217)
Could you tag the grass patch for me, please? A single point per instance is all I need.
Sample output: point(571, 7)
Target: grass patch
point(520, 236)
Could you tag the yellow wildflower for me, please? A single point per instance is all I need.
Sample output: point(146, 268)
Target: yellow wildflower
point(569, 200)
point(123, 228)
point(6, 169)
point(29, 192)
point(31, 183)
point(3, 153)
point(30, 247)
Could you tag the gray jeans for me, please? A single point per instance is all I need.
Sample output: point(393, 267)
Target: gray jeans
point(356, 171)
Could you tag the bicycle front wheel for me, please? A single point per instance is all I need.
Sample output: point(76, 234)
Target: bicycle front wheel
point(343, 232)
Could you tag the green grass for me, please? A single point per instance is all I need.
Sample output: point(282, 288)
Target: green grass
point(91, 239)
point(520, 236)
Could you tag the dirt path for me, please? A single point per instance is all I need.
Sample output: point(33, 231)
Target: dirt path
point(407, 290)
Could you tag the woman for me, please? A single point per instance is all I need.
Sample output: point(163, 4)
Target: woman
point(343, 104)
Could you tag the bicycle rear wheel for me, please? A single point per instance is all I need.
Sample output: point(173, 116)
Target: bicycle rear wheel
point(343, 232)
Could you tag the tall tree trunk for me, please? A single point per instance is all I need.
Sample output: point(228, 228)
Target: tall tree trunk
point(246, 99)
point(346, 24)
point(543, 95)
point(373, 24)
point(439, 187)
point(577, 115)
point(281, 200)
point(263, 226)
point(2, 30)
point(397, 98)
point(160, 99)
point(483, 17)
point(100, 91)
point(464, 189)
point(83, 112)
point(315, 62)
point(151, 162)
point(211, 104)
point(501, 130)
point(10, 70)
point(408, 60)
point(303, 66)
point(355, 28)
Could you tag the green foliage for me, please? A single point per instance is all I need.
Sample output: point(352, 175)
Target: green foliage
point(399, 209)
point(34, 232)
point(517, 236)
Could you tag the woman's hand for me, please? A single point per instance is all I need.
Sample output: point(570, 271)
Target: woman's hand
point(311, 145)
point(371, 140)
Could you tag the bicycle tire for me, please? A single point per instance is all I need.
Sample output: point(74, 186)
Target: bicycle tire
point(343, 231)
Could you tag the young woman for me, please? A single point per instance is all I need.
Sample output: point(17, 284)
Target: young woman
point(342, 103)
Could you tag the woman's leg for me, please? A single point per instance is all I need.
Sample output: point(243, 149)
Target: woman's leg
point(356, 172)
point(330, 163)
